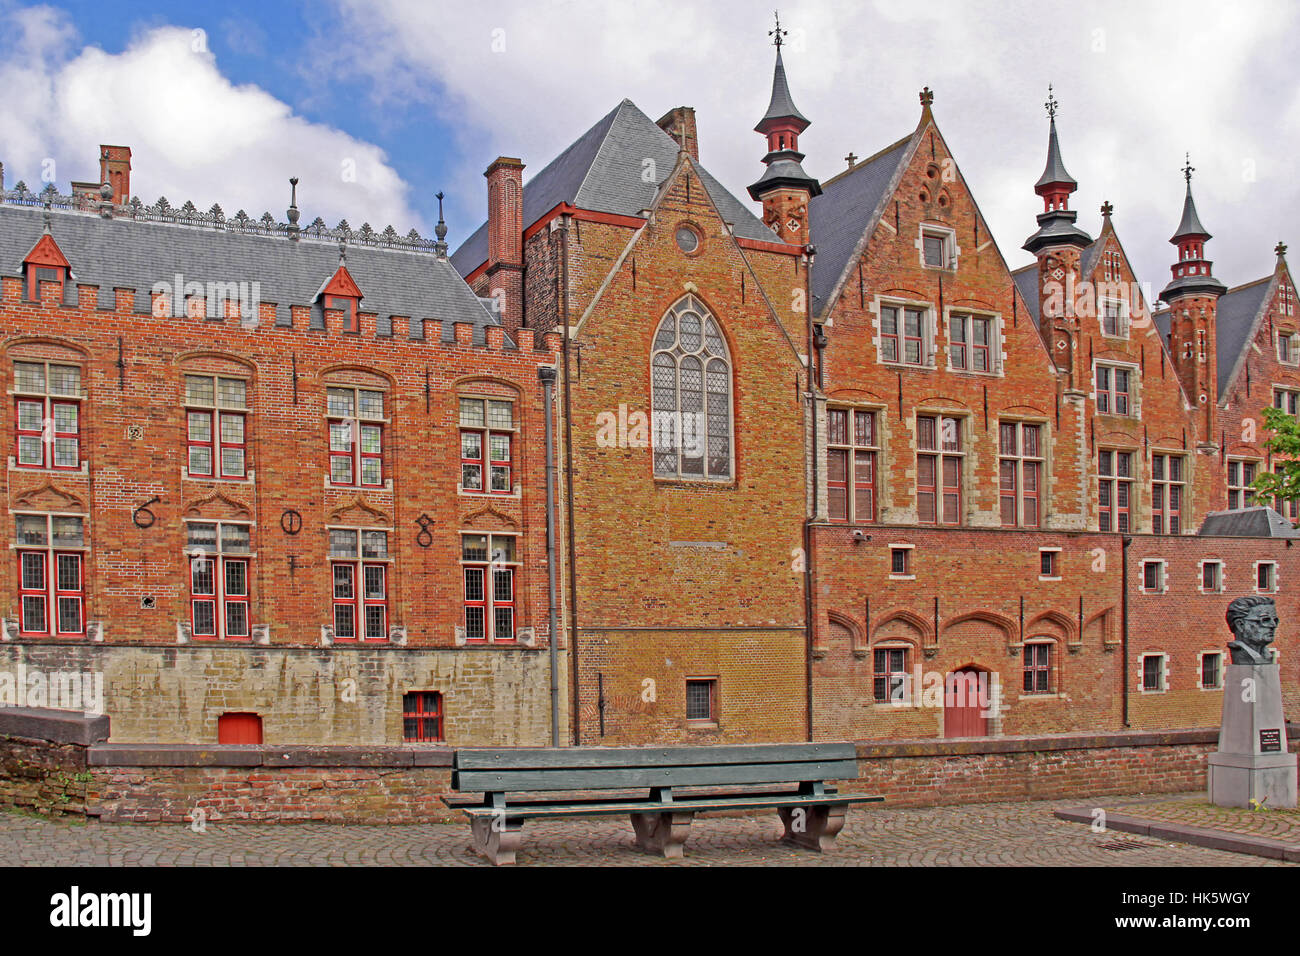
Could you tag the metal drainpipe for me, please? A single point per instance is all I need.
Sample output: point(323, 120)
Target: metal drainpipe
point(547, 376)
point(809, 252)
point(1123, 615)
point(575, 718)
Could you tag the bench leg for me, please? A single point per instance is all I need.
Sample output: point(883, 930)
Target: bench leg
point(497, 838)
point(813, 828)
point(662, 833)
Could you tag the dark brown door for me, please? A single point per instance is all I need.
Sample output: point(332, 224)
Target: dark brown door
point(965, 701)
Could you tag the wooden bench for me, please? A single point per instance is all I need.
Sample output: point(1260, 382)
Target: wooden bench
point(789, 778)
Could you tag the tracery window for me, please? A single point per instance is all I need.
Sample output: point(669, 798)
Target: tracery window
point(691, 395)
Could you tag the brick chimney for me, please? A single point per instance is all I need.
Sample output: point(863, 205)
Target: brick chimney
point(679, 123)
point(505, 261)
point(115, 169)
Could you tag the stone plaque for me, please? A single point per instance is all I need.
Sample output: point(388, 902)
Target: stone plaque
point(1270, 741)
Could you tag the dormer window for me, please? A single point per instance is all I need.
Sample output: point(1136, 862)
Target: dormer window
point(36, 274)
point(44, 263)
point(348, 306)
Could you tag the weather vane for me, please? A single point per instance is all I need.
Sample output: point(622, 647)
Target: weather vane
point(778, 32)
point(1051, 103)
point(1189, 168)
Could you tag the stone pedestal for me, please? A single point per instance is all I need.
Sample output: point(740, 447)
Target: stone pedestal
point(1253, 761)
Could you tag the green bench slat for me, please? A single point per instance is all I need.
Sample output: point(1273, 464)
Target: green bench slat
point(623, 777)
point(702, 805)
point(577, 758)
point(458, 802)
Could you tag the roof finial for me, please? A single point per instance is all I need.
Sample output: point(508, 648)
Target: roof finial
point(1280, 249)
point(1106, 209)
point(343, 253)
point(851, 159)
point(47, 215)
point(927, 97)
point(440, 230)
point(293, 208)
point(1188, 169)
point(778, 33)
point(1051, 104)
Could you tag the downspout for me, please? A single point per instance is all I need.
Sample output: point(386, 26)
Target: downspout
point(547, 376)
point(568, 482)
point(1123, 619)
point(809, 252)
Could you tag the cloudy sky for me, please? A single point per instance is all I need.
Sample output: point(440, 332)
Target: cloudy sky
point(378, 104)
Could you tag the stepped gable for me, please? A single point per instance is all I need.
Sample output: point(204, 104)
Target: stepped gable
point(602, 171)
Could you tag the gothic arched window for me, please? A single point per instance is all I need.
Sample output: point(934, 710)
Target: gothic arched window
point(691, 395)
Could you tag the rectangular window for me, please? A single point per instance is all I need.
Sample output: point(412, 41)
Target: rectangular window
point(1114, 322)
point(1266, 576)
point(486, 439)
point(51, 580)
point(1114, 490)
point(889, 678)
point(900, 561)
point(348, 306)
point(938, 469)
point(220, 576)
point(1212, 671)
point(1166, 494)
point(1288, 348)
point(938, 249)
point(702, 699)
point(359, 571)
point(488, 566)
point(1153, 672)
point(356, 436)
point(1047, 564)
point(1153, 576)
point(851, 464)
point(1020, 472)
point(47, 415)
point(422, 717)
point(1113, 395)
point(215, 420)
point(1286, 400)
point(1241, 475)
point(970, 342)
point(1038, 669)
point(1212, 577)
point(904, 334)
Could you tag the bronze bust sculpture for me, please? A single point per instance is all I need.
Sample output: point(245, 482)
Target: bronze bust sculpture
point(1253, 620)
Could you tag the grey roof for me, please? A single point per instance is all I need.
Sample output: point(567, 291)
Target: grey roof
point(131, 254)
point(1054, 171)
point(1056, 227)
point(781, 105)
point(1088, 258)
point(602, 171)
point(841, 215)
point(784, 171)
point(1254, 522)
point(1235, 320)
point(1190, 225)
point(1026, 280)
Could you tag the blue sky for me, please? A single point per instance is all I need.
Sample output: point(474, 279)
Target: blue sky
point(378, 105)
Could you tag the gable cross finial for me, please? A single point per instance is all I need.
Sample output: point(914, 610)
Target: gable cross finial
point(1280, 249)
point(1051, 103)
point(1107, 209)
point(927, 97)
point(778, 33)
point(1189, 168)
point(851, 159)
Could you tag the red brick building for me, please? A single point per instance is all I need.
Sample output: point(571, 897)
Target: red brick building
point(825, 464)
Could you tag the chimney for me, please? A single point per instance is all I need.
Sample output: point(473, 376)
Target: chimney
point(679, 123)
point(115, 169)
point(505, 262)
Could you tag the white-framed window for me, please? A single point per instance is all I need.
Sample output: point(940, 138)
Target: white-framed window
point(1286, 399)
point(359, 572)
point(973, 342)
point(47, 403)
point(50, 550)
point(487, 439)
point(1241, 475)
point(906, 334)
point(1154, 580)
point(1209, 670)
point(1288, 347)
point(216, 410)
point(1049, 564)
point(900, 561)
point(690, 399)
point(220, 557)
point(1266, 577)
point(488, 568)
point(1114, 394)
point(1211, 581)
point(1114, 318)
point(1152, 673)
point(938, 246)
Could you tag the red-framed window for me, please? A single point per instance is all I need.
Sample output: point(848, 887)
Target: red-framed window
point(851, 464)
point(1167, 490)
point(1114, 489)
point(348, 306)
point(1113, 395)
point(487, 437)
point(938, 469)
point(1241, 475)
point(903, 334)
point(47, 407)
point(220, 571)
point(970, 346)
point(702, 699)
point(488, 566)
point(216, 426)
point(1038, 669)
point(356, 436)
point(1020, 472)
point(38, 274)
point(51, 574)
point(422, 717)
point(889, 674)
point(359, 576)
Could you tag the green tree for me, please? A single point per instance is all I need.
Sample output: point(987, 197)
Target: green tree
point(1284, 443)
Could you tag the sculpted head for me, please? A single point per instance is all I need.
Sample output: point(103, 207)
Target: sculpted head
point(1253, 620)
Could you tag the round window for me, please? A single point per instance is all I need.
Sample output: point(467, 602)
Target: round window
point(687, 240)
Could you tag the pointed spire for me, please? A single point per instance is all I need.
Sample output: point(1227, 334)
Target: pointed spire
point(1056, 221)
point(440, 230)
point(1189, 227)
point(1193, 274)
point(1054, 173)
point(781, 107)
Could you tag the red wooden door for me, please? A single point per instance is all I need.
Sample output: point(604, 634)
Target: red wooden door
point(965, 702)
point(239, 729)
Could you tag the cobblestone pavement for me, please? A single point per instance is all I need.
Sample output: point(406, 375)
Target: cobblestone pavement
point(1192, 809)
point(999, 834)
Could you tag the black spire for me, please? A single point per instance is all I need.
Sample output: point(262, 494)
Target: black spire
point(1189, 227)
point(782, 124)
point(1054, 172)
point(1192, 273)
point(1056, 223)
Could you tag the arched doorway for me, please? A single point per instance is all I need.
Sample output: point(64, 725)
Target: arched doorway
point(967, 700)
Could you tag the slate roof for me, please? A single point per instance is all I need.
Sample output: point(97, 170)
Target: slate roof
point(1026, 280)
point(841, 215)
point(781, 105)
point(1190, 224)
point(132, 254)
point(1254, 522)
point(601, 171)
point(1054, 171)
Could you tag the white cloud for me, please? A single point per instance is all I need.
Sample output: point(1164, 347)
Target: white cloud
point(1140, 84)
point(194, 135)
